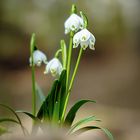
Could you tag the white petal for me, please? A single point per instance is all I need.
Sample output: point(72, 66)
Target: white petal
point(92, 39)
point(92, 42)
point(76, 40)
point(54, 67)
point(81, 23)
point(38, 58)
point(47, 70)
point(85, 35)
point(73, 23)
point(60, 68)
point(84, 44)
point(67, 30)
point(91, 46)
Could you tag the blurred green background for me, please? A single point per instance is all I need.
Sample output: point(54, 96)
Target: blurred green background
point(110, 75)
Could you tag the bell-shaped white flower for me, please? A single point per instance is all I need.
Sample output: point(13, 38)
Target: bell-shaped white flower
point(85, 39)
point(73, 23)
point(38, 58)
point(54, 67)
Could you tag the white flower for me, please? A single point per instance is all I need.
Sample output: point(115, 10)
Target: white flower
point(73, 23)
point(54, 67)
point(85, 39)
point(38, 58)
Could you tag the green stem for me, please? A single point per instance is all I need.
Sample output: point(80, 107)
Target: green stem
point(71, 83)
point(32, 45)
point(69, 58)
point(33, 92)
point(75, 70)
point(68, 72)
point(58, 52)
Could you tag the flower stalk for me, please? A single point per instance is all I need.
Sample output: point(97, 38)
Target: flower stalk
point(32, 45)
point(75, 70)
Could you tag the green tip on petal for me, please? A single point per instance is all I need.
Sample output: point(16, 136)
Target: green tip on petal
point(73, 9)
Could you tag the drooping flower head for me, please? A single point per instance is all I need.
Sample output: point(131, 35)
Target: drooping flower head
point(54, 67)
point(85, 39)
point(38, 58)
point(73, 23)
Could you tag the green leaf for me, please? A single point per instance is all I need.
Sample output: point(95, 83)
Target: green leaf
point(40, 97)
point(82, 122)
point(8, 120)
point(55, 117)
point(46, 110)
point(62, 92)
point(53, 97)
point(43, 113)
point(13, 111)
point(107, 132)
point(72, 113)
point(27, 113)
point(56, 94)
point(87, 128)
point(16, 115)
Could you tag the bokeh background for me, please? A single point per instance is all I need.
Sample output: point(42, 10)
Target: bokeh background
point(110, 75)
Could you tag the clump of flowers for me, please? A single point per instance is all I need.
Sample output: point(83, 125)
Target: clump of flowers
point(53, 108)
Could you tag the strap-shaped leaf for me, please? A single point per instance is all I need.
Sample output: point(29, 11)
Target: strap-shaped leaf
point(14, 112)
point(72, 113)
point(11, 110)
point(57, 94)
point(53, 97)
point(28, 114)
point(82, 122)
point(55, 117)
point(43, 112)
point(46, 110)
point(62, 91)
point(87, 128)
point(8, 120)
